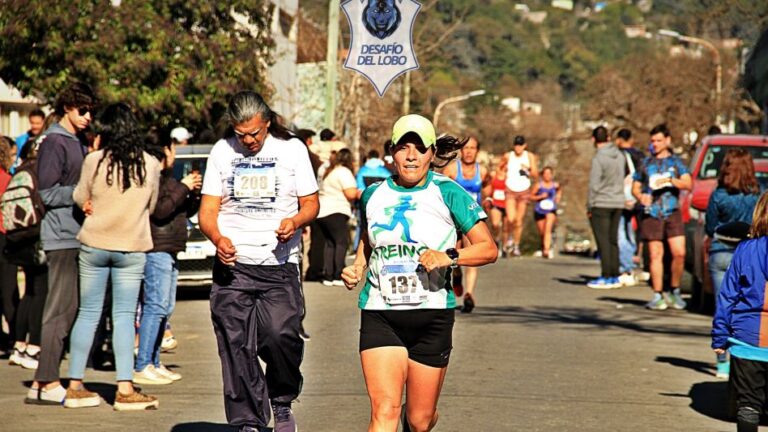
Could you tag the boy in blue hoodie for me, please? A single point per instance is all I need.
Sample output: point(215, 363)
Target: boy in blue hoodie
point(739, 324)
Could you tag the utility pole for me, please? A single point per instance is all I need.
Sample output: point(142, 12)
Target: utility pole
point(407, 93)
point(331, 63)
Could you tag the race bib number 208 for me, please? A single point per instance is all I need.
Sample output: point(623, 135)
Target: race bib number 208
point(255, 183)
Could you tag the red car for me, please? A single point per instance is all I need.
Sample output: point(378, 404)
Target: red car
point(705, 168)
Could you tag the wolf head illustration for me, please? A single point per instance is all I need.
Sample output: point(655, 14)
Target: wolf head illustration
point(382, 17)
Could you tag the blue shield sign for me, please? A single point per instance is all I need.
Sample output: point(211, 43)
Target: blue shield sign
point(382, 39)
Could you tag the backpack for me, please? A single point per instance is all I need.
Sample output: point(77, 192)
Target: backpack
point(21, 205)
point(629, 199)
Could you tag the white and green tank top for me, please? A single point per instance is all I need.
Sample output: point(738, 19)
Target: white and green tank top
point(401, 223)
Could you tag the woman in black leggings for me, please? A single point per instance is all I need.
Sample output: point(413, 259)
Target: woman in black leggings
point(338, 189)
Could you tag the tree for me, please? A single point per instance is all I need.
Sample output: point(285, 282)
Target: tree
point(173, 61)
point(646, 89)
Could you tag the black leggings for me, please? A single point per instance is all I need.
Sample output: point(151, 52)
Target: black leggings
point(29, 315)
point(336, 232)
point(9, 293)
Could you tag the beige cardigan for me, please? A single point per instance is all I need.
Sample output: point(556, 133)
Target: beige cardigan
point(120, 219)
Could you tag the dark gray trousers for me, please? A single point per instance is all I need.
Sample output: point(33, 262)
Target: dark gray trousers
point(256, 313)
point(605, 225)
point(59, 312)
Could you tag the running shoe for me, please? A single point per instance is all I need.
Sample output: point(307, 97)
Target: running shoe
point(643, 276)
point(657, 303)
point(604, 283)
point(41, 396)
point(723, 370)
point(338, 282)
point(508, 248)
point(469, 303)
point(284, 420)
point(81, 398)
point(676, 300)
point(516, 251)
point(135, 401)
point(149, 375)
point(327, 282)
point(627, 279)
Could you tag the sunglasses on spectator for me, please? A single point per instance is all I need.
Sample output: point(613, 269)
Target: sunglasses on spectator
point(83, 110)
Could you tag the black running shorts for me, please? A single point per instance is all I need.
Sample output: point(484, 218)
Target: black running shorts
point(427, 334)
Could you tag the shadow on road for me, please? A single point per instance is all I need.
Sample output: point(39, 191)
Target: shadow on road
point(702, 367)
point(203, 427)
point(581, 280)
point(623, 301)
point(588, 318)
point(710, 399)
point(201, 292)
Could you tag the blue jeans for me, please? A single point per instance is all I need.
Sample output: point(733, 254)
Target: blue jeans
point(126, 270)
point(718, 264)
point(160, 275)
point(627, 244)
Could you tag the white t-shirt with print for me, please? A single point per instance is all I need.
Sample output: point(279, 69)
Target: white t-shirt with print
point(401, 223)
point(332, 199)
point(257, 192)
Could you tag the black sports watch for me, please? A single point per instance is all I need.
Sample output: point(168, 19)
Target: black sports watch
point(453, 254)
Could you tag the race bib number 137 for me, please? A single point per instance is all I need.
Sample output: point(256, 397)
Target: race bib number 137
point(402, 284)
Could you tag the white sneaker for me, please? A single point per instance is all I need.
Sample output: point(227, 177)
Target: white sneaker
point(149, 375)
point(644, 276)
point(327, 282)
point(29, 361)
point(168, 344)
point(627, 279)
point(16, 358)
point(338, 283)
point(41, 396)
point(167, 373)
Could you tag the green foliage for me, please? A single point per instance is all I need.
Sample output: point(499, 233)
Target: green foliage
point(174, 61)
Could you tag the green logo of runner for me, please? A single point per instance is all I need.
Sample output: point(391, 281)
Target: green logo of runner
point(398, 218)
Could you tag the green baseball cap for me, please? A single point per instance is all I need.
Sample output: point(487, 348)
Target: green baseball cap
point(416, 124)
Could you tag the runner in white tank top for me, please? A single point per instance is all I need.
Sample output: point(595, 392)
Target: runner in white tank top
point(519, 172)
point(522, 173)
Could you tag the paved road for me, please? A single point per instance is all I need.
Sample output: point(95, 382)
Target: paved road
point(541, 352)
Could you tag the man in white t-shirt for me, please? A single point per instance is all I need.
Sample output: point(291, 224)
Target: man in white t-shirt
point(259, 191)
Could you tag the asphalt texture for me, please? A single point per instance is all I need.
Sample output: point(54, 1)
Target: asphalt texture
point(541, 352)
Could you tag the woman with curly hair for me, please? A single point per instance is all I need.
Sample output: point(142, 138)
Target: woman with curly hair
point(117, 191)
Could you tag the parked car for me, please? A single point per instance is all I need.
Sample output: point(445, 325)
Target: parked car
point(196, 262)
point(705, 168)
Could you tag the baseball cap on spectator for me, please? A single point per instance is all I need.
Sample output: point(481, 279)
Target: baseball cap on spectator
point(519, 140)
point(180, 134)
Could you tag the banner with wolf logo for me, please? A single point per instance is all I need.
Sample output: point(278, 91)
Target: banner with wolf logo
point(382, 39)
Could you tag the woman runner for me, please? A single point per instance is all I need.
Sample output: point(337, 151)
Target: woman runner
point(407, 302)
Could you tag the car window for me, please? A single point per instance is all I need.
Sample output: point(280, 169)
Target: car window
point(186, 165)
point(713, 159)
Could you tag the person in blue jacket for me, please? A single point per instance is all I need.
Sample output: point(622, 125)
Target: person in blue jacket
point(739, 324)
point(733, 201)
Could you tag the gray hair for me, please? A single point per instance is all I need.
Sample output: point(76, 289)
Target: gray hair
point(245, 105)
